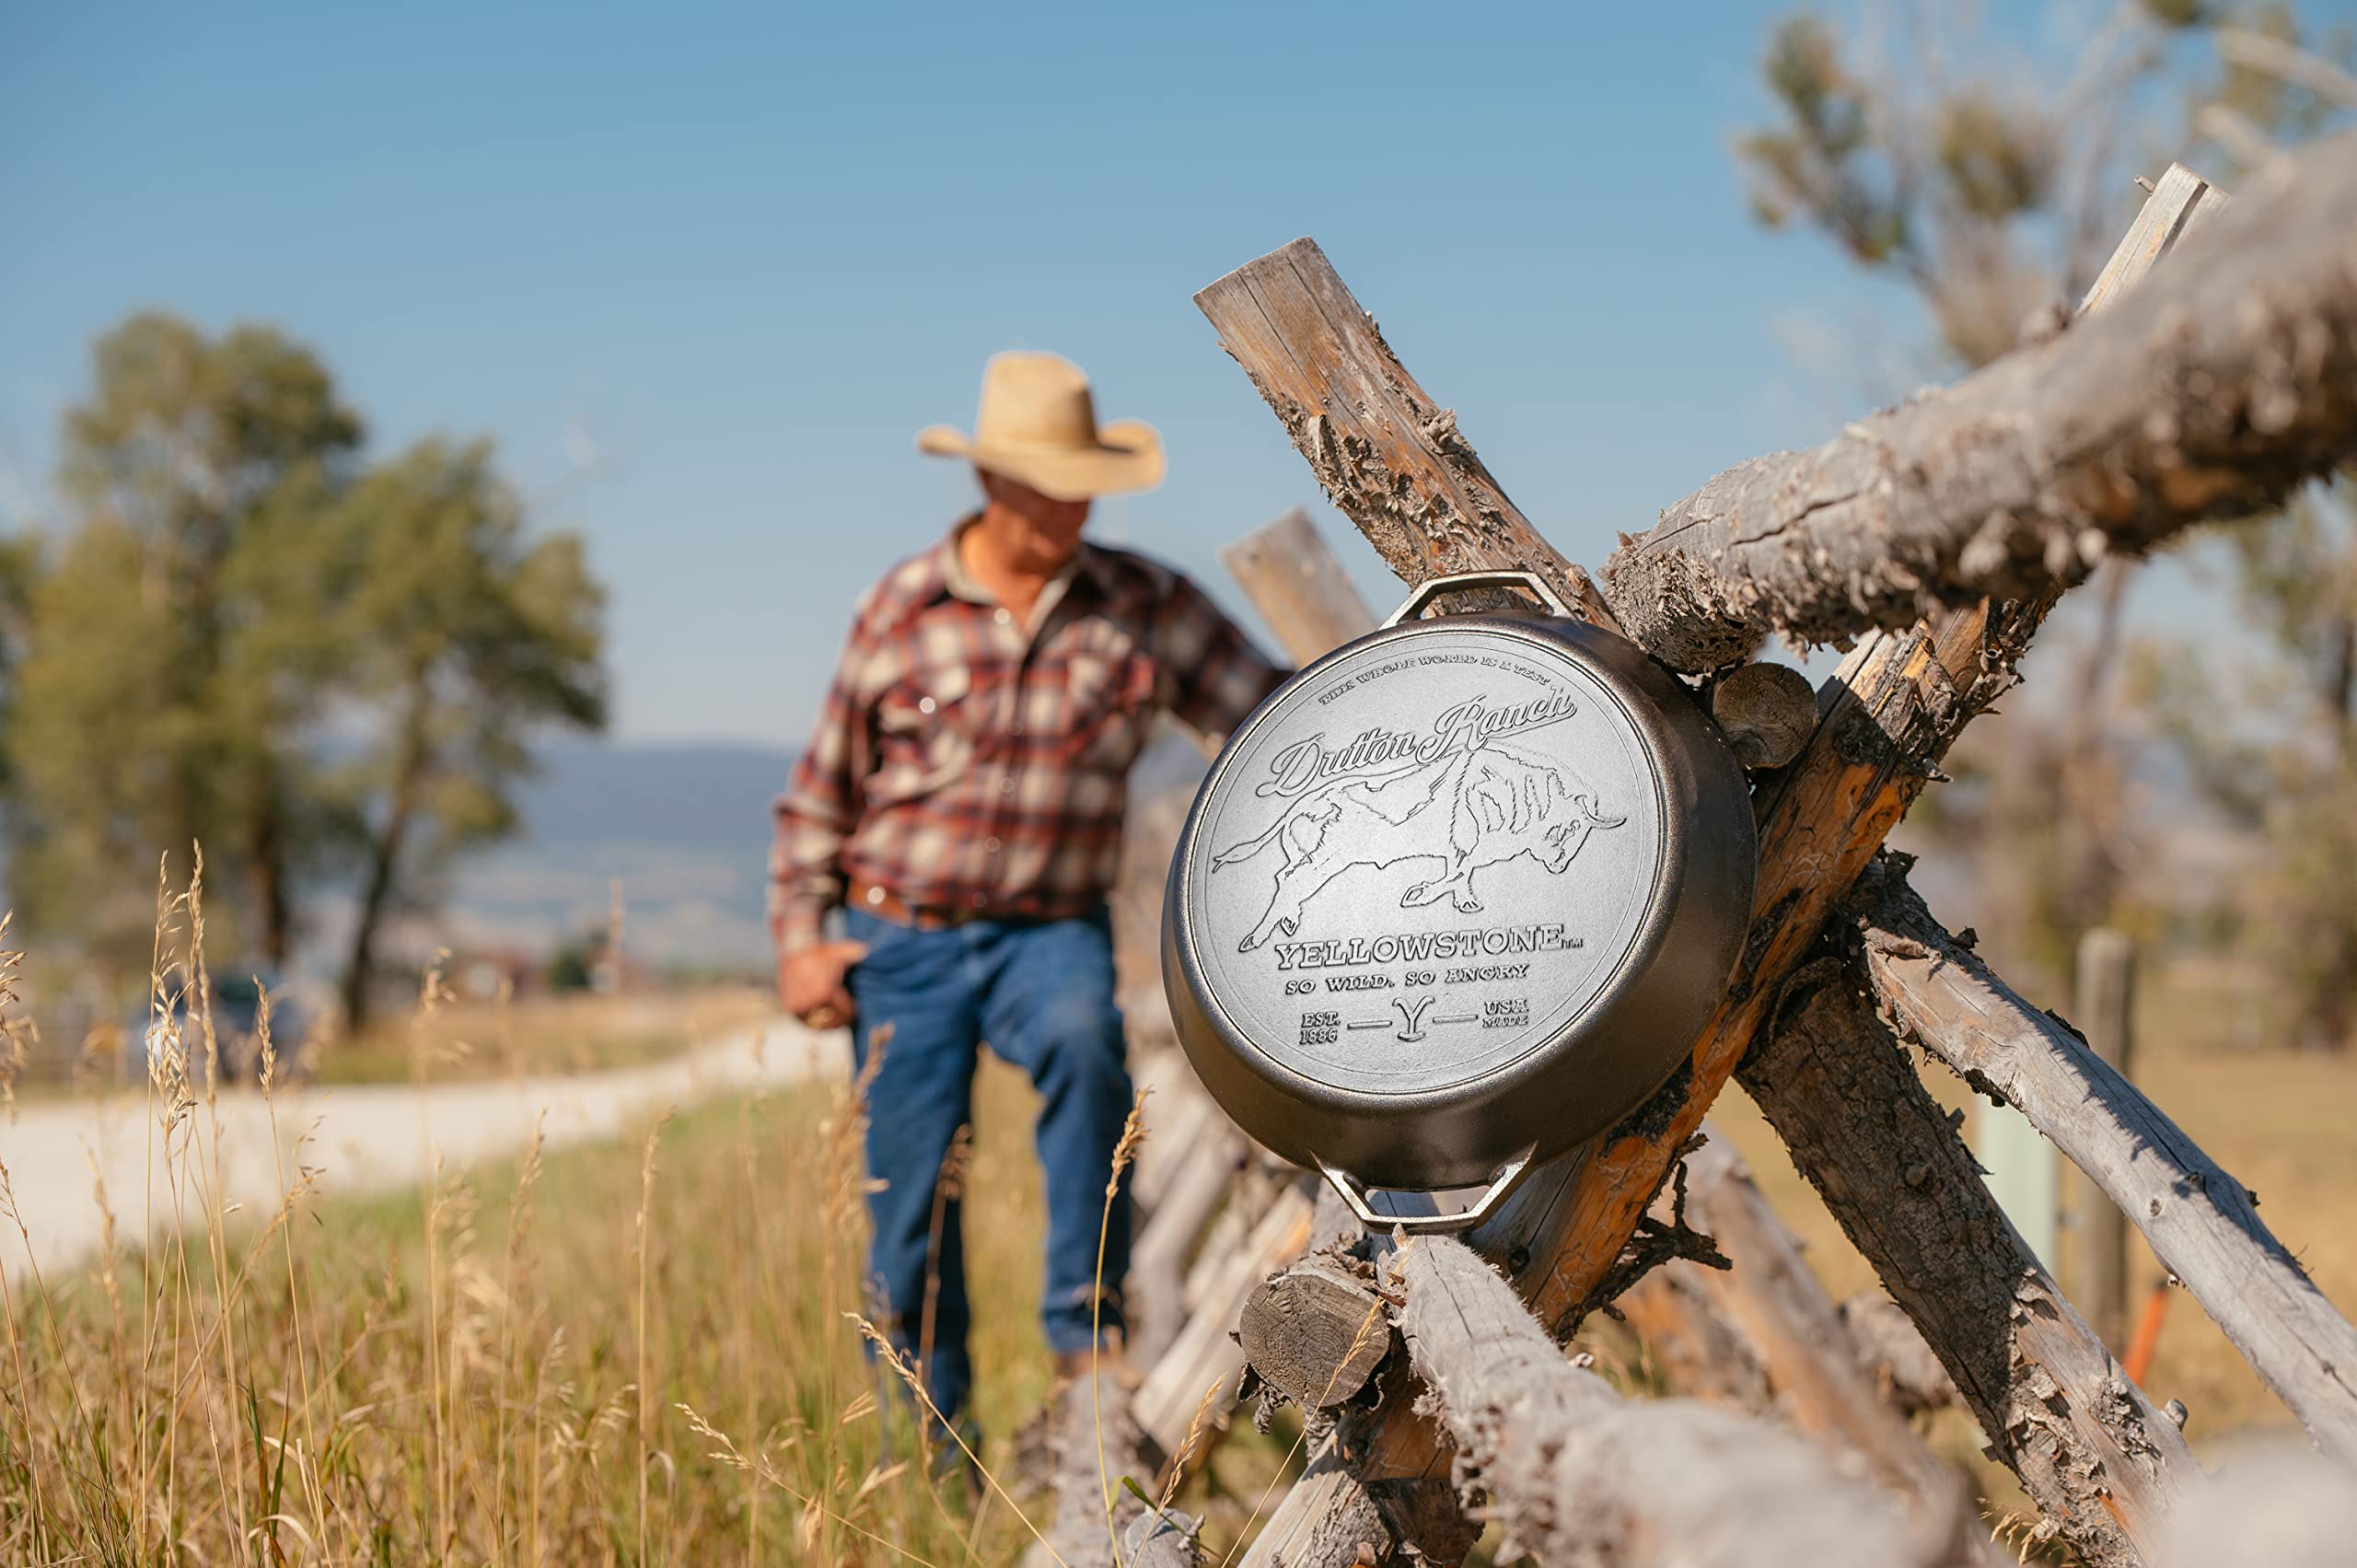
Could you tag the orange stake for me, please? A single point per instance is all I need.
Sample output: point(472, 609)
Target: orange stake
point(2147, 1339)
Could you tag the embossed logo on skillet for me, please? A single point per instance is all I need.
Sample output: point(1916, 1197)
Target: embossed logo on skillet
point(1458, 774)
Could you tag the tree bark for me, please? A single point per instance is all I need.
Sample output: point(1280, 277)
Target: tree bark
point(2099, 1461)
point(2214, 392)
point(2201, 1222)
point(266, 880)
point(1388, 456)
point(1578, 1475)
point(383, 859)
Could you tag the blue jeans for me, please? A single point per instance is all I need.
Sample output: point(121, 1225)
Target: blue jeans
point(1041, 994)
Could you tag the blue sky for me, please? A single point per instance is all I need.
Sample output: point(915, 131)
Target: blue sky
point(732, 258)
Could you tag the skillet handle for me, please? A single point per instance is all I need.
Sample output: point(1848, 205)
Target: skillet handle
point(1416, 603)
point(1501, 1188)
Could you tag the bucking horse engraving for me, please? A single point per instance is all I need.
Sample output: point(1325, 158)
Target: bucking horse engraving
point(1470, 809)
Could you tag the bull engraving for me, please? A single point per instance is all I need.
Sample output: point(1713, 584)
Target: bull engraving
point(1469, 809)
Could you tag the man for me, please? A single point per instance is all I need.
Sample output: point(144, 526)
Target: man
point(962, 802)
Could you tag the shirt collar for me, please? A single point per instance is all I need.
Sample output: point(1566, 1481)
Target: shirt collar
point(955, 581)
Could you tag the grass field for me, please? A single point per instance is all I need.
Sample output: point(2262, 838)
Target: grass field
point(516, 1364)
point(576, 1032)
point(641, 1352)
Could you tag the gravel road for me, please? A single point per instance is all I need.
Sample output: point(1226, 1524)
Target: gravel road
point(358, 1136)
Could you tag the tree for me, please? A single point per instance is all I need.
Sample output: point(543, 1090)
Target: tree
point(154, 705)
point(1994, 200)
point(464, 634)
point(2271, 739)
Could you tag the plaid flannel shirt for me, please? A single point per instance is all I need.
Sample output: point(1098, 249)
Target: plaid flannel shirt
point(968, 763)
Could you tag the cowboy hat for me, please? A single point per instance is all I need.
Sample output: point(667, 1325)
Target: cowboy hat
point(1037, 425)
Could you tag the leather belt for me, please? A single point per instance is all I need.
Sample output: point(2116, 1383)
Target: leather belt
point(889, 905)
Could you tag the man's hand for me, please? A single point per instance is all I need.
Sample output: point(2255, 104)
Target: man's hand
point(811, 983)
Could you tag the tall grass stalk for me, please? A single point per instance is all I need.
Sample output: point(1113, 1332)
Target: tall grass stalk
point(277, 1374)
point(1125, 1149)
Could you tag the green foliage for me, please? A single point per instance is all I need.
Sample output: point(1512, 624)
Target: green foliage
point(153, 708)
point(234, 586)
point(463, 634)
point(1823, 167)
point(1956, 180)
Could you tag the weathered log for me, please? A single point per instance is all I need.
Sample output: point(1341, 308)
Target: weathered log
point(1897, 703)
point(1766, 711)
point(1690, 1344)
point(1315, 1332)
point(1577, 1475)
point(1205, 1351)
point(1299, 588)
point(1326, 1519)
point(1162, 1539)
point(2215, 392)
point(1089, 1415)
point(1390, 457)
point(2098, 1460)
point(1893, 1350)
point(2201, 1222)
point(1790, 1325)
point(1203, 1176)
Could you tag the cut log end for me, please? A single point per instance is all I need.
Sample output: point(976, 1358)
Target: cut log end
point(1673, 607)
point(1315, 1332)
point(1767, 712)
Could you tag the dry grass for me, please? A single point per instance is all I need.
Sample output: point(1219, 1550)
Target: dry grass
point(641, 1351)
point(540, 1037)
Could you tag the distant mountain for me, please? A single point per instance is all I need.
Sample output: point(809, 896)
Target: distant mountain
point(683, 827)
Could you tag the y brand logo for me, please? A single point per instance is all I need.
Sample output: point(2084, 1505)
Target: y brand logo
point(1411, 1018)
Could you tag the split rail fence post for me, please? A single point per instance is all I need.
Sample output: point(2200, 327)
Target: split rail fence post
point(2102, 1005)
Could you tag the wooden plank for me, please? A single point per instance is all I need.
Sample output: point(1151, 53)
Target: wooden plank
point(2201, 1222)
point(1298, 586)
point(1157, 1285)
point(2166, 216)
point(1326, 1519)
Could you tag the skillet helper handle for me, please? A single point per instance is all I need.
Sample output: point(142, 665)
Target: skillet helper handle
point(1413, 606)
point(1501, 1188)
